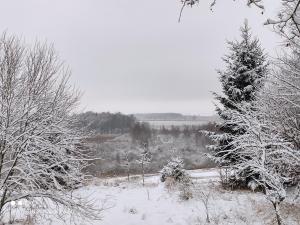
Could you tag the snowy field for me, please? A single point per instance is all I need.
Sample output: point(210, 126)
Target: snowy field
point(130, 203)
point(157, 124)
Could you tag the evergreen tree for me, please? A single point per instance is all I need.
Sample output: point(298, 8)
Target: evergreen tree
point(246, 67)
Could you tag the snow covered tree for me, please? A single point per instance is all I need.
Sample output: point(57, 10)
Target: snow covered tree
point(282, 97)
point(262, 155)
point(145, 158)
point(246, 68)
point(267, 152)
point(265, 155)
point(41, 153)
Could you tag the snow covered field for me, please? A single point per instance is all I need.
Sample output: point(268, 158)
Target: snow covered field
point(157, 124)
point(129, 203)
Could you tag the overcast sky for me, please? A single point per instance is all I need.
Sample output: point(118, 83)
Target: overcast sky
point(133, 55)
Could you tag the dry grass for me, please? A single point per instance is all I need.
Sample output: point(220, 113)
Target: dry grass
point(170, 184)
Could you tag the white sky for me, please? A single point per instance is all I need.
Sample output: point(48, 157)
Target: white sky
point(132, 55)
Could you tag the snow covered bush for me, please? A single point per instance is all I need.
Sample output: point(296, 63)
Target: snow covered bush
point(41, 153)
point(174, 169)
point(175, 174)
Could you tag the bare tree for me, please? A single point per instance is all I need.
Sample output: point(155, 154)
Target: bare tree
point(286, 24)
point(204, 196)
point(127, 164)
point(41, 153)
point(145, 158)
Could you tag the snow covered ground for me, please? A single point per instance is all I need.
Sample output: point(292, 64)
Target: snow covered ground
point(157, 124)
point(130, 203)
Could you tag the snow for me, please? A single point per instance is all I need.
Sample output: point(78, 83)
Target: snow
point(205, 173)
point(177, 123)
point(129, 203)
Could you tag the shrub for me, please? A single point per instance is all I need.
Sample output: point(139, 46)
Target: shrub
point(174, 169)
point(185, 185)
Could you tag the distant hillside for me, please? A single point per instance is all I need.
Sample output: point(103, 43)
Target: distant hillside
point(174, 117)
point(106, 123)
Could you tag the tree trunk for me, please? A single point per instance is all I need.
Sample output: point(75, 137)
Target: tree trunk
point(2, 202)
point(207, 215)
point(128, 174)
point(278, 217)
point(143, 173)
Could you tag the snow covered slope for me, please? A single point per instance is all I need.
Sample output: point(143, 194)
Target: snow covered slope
point(130, 203)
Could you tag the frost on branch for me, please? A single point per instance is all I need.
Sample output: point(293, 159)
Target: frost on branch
point(269, 159)
point(41, 154)
point(262, 154)
point(282, 98)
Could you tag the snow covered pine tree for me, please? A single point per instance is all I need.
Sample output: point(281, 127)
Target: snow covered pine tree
point(246, 67)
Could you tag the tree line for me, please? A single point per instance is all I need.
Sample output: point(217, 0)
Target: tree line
point(105, 122)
